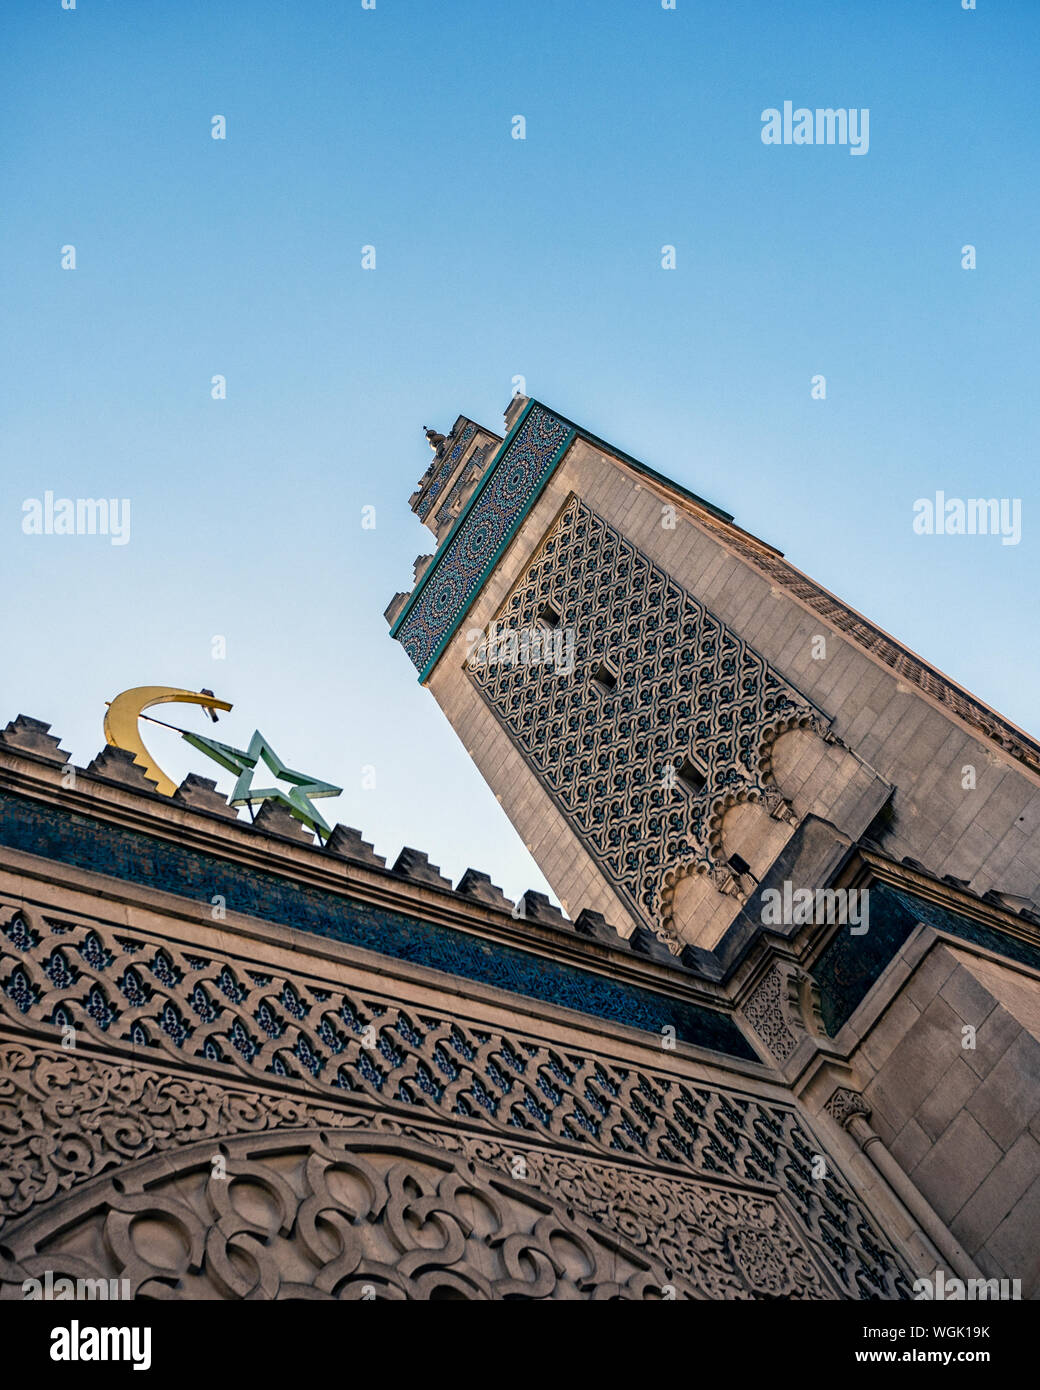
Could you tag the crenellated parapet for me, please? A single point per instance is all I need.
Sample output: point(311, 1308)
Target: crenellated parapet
point(107, 820)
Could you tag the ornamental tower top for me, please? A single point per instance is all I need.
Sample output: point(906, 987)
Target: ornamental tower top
point(459, 462)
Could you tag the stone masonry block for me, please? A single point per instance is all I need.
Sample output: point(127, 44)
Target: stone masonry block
point(474, 884)
point(200, 794)
point(956, 1165)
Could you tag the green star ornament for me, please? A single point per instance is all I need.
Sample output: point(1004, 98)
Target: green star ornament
point(245, 763)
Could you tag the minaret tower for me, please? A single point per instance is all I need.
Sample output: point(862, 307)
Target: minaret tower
point(660, 700)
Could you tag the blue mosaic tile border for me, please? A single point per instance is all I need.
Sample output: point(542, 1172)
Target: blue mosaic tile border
point(134, 857)
point(850, 965)
point(481, 534)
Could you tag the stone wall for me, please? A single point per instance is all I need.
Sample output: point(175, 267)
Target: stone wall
point(952, 1074)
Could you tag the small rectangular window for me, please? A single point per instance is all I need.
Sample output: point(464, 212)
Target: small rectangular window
point(548, 615)
point(604, 677)
point(691, 776)
point(738, 865)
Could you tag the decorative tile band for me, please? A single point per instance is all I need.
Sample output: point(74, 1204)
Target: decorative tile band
point(848, 966)
point(467, 478)
point(481, 534)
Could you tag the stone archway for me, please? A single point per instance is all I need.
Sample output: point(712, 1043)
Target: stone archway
point(750, 835)
point(818, 775)
point(694, 908)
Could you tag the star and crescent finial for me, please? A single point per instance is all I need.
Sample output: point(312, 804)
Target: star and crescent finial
point(121, 731)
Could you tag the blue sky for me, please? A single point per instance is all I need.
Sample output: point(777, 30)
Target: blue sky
point(495, 257)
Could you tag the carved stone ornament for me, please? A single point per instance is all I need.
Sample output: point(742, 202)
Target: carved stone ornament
point(772, 1010)
point(347, 1208)
point(844, 1105)
point(173, 1048)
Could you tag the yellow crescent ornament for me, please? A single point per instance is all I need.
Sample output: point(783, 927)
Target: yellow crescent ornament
point(121, 729)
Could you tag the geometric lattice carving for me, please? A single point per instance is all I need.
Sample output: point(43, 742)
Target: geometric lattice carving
point(687, 686)
point(158, 1003)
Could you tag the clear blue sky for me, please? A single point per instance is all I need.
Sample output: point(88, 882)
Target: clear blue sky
point(494, 257)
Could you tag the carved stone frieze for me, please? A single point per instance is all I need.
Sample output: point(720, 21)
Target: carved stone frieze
point(374, 1214)
point(226, 1028)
